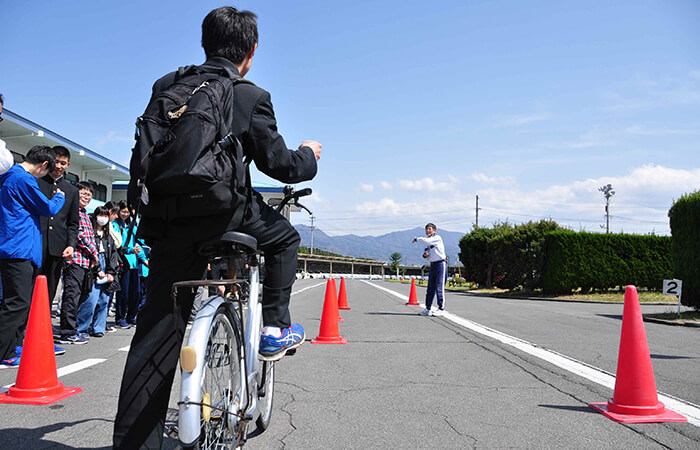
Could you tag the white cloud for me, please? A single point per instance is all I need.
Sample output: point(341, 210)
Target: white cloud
point(642, 130)
point(643, 196)
point(426, 184)
point(516, 120)
point(384, 206)
point(650, 94)
point(485, 179)
point(386, 185)
point(640, 204)
point(367, 187)
point(314, 198)
point(112, 137)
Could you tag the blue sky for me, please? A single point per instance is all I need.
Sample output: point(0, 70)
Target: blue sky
point(419, 107)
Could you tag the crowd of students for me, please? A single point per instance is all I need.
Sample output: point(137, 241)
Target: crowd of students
point(45, 229)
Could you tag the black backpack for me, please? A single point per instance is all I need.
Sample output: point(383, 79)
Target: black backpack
point(185, 155)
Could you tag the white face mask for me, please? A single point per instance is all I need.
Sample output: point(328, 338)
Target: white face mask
point(102, 220)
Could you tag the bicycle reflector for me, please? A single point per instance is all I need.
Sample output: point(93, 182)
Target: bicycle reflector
point(188, 359)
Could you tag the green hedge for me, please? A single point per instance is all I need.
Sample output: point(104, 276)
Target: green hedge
point(685, 232)
point(604, 261)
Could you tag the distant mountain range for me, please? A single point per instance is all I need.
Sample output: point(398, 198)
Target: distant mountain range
point(380, 247)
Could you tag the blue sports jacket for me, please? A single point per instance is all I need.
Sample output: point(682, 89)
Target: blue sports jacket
point(21, 204)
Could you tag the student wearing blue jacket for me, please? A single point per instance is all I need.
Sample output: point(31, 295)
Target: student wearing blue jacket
point(128, 298)
point(21, 205)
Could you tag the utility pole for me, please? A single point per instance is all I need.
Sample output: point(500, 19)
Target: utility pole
point(312, 235)
point(477, 211)
point(607, 193)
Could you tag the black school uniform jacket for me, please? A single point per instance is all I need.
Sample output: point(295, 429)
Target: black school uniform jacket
point(254, 124)
point(61, 230)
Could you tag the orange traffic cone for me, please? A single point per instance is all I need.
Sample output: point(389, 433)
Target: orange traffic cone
point(335, 296)
point(412, 297)
point(635, 399)
point(329, 333)
point(37, 379)
point(342, 296)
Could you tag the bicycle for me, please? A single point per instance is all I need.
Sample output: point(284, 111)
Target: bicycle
point(224, 386)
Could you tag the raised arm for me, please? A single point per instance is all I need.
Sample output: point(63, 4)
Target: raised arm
point(270, 153)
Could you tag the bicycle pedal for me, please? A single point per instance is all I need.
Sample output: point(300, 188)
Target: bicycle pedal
point(291, 352)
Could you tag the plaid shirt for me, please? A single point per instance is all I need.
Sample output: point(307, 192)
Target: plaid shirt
point(86, 250)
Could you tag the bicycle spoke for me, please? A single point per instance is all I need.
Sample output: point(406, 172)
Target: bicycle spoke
point(221, 372)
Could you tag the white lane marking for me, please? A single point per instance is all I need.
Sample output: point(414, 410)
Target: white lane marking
point(92, 361)
point(74, 367)
point(306, 288)
point(594, 374)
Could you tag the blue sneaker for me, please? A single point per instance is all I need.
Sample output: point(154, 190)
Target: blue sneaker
point(56, 350)
point(123, 325)
point(75, 339)
point(11, 362)
point(274, 348)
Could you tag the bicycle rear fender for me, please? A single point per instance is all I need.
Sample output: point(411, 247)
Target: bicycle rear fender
point(190, 390)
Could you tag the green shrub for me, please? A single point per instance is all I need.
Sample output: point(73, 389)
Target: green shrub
point(604, 261)
point(506, 256)
point(685, 231)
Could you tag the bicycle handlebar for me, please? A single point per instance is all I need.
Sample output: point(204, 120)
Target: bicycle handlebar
point(291, 194)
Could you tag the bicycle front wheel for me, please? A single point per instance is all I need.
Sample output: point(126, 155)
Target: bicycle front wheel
point(222, 393)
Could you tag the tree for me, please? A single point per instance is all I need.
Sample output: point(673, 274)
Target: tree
point(684, 218)
point(478, 253)
point(395, 260)
point(506, 256)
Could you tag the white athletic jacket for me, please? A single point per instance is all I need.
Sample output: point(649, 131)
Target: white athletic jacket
point(435, 246)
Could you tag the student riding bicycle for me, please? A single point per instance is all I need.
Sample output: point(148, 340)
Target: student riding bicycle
point(229, 39)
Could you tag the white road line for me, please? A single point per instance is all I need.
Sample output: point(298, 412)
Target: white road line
point(92, 361)
point(306, 288)
point(594, 374)
point(74, 367)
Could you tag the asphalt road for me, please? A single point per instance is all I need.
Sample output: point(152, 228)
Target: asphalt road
point(406, 381)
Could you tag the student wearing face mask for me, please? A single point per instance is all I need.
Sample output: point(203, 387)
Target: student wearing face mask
point(92, 314)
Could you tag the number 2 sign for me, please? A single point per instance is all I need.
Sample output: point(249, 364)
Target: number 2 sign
point(674, 287)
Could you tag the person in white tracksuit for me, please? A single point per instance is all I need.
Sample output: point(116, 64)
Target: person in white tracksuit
point(435, 250)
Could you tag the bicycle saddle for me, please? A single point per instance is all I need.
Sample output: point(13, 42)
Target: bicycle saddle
point(229, 244)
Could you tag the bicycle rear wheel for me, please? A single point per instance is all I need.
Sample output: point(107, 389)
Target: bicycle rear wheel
point(222, 393)
point(266, 391)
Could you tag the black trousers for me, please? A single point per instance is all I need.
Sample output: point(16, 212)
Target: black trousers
point(77, 284)
point(51, 268)
point(17, 286)
point(152, 360)
point(129, 297)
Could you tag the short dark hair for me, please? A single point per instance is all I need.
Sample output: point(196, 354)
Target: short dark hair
point(431, 225)
point(229, 33)
point(60, 150)
point(112, 206)
point(2, 100)
point(40, 154)
point(85, 185)
point(123, 204)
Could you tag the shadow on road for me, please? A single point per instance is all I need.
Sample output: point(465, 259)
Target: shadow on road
point(611, 316)
point(656, 356)
point(34, 437)
point(581, 408)
point(379, 313)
